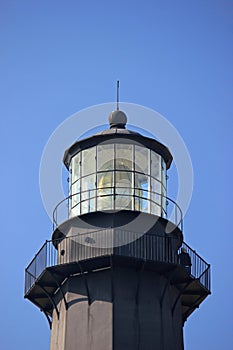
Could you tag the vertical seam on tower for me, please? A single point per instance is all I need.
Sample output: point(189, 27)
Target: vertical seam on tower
point(86, 284)
point(137, 301)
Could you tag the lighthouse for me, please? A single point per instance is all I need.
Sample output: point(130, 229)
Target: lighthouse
point(117, 273)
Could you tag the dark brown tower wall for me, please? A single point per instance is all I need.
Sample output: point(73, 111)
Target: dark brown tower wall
point(118, 308)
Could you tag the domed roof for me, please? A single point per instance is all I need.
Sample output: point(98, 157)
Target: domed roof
point(117, 119)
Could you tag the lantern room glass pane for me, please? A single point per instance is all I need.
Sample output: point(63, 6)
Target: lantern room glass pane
point(105, 157)
point(156, 199)
point(75, 199)
point(105, 190)
point(164, 202)
point(124, 157)
point(142, 183)
point(155, 165)
point(142, 157)
point(88, 161)
point(105, 201)
point(123, 180)
point(164, 173)
point(75, 193)
point(123, 190)
point(88, 185)
point(156, 191)
point(75, 211)
point(105, 179)
point(142, 192)
point(75, 168)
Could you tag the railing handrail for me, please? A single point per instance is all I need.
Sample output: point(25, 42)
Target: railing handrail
point(41, 248)
point(108, 229)
point(180, 221)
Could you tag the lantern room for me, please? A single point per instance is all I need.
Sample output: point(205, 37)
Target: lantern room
point(117, 169)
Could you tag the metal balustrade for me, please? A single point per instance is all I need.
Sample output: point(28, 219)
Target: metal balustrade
point(137, 200)
point(147, 247)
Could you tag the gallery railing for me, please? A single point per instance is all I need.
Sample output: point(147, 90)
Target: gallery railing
point(148, 247)
point(127, 198)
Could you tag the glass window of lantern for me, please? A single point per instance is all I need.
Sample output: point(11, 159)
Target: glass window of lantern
point(142, 159)
point(105, 157)
point(124, 157)
point(75, 168)
point(88, 161)
point(74, 211)
point(123, 180)
point(156, 191)
point(164, 173)
point(164, 201)
point(88, 186)
point(124, 190)
point(105, 179)
point(105, 201)
point(105, 190)
point(123, 201)
point(155, 165)
point(75, 194)
point(142, 183)
point(142, 193)
point(156, 200)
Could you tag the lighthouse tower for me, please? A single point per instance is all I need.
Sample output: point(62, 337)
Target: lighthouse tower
point(117, 273)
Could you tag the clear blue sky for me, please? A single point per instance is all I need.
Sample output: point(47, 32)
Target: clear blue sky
point(58, 57)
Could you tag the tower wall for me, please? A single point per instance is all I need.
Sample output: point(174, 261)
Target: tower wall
point(119, 308)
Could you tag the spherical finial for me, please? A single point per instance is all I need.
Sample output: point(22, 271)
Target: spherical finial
point(117, 119)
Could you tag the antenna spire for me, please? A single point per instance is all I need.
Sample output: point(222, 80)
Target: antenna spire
point(118, 84)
